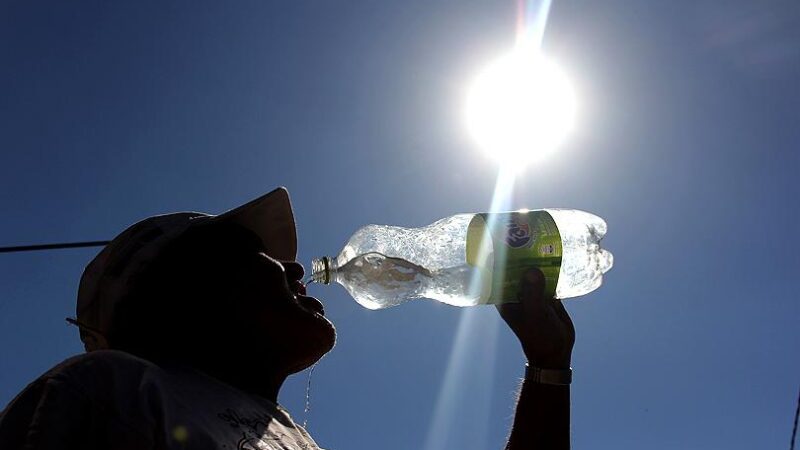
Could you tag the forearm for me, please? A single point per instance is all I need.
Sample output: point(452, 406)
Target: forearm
point(542, 418)
point(547, 335)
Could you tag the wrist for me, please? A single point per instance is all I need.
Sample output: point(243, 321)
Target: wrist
point(551, 365)
point(552, 362)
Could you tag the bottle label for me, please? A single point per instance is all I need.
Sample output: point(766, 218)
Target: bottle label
point(504, 245)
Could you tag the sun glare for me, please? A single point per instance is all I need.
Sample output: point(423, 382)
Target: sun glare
point(520, 108)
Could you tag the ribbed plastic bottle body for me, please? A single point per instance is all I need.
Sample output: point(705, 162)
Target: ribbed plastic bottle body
point(383, 266)
point(583, 262)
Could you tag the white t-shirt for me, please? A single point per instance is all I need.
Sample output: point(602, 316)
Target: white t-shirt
point(113, 400)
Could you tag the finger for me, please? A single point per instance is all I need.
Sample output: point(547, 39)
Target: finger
point(558, 307)
point(561, 311)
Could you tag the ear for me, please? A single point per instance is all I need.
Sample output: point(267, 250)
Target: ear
point(92, 339)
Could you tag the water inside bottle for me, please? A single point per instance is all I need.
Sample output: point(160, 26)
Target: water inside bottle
point(379, 281)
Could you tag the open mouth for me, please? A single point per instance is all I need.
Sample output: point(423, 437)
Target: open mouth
point(298, 287)
point(306, 302)
point(311, 304)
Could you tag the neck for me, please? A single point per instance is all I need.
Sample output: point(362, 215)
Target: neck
point(253, 378)
point(259, 379)
point(257, 382)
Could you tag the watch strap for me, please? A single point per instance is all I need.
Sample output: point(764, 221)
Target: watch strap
point(558, 377)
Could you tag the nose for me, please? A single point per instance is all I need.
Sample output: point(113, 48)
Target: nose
point(294, 270)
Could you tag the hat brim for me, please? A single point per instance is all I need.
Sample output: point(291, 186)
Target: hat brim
point(271, 218)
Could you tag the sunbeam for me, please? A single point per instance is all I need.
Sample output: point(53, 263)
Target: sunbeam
point(531, 22)
point(465, 393)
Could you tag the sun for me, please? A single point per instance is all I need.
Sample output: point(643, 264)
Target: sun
point(520, 108)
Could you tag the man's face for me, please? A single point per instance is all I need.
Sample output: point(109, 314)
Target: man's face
point(274, 306)
point(256, 306)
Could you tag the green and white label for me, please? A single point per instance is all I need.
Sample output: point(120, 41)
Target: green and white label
point(504, 245)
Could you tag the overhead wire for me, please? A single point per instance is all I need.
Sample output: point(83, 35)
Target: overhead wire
point(57, 246)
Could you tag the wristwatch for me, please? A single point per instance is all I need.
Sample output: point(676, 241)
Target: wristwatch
point(559, 377)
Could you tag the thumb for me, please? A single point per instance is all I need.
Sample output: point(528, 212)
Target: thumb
point(531, 287)
point(530, 294)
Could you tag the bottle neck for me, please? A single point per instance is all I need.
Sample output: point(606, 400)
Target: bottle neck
point(323, 270)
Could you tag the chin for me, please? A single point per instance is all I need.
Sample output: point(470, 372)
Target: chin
point(312, 343)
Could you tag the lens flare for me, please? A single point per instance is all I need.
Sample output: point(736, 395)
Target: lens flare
point(520, 108)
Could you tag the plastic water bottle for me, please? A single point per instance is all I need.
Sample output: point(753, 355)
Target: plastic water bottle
point(470, 259)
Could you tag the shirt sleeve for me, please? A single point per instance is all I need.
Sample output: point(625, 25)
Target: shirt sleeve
point(48, 414)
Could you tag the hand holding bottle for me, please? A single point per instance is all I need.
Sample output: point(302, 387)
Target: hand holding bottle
point(542, 325)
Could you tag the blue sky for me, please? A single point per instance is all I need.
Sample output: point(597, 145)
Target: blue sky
point(686, 143)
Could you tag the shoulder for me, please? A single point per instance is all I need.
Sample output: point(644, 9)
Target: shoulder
point(82, 392)
point(101, 360)
point(91, 371)
point(100, 366)
point(111, 380)
point(91, 376)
